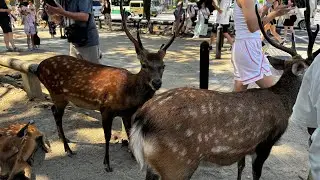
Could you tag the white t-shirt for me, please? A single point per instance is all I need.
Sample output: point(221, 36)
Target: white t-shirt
point(224, 17)
point(306, 112)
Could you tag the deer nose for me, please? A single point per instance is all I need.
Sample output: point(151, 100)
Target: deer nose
point(156, 83)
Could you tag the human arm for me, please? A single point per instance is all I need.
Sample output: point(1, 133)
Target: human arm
point(5, 10)
point(77, 16)
point(216, 7)
point(248, 8)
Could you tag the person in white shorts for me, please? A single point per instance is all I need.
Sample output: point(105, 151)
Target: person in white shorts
point(28, 20)
point(249, 62)
point(306, 112)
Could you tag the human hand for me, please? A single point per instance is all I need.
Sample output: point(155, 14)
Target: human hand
point(220, 11)
point(54, 10)
point(8, 10)
point(282, 10)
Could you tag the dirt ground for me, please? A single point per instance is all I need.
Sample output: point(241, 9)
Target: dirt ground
point(288, 160)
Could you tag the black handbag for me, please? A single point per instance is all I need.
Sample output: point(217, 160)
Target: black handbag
point(206, 21)
point(78, 34)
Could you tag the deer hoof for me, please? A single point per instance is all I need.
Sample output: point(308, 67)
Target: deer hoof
point(125, 143)
point(71, 153)
point(108, 169)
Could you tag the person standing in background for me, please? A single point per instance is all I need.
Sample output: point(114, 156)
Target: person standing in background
point(106, 11)
point(5, 24)
point(290, 19)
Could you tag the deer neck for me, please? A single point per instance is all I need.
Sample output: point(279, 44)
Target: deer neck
point(139, 88)
point(288, 88)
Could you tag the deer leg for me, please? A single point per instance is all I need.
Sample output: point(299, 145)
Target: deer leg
point(127, 124)
point(150, 175)
point(107, 119)
point(262, 153)
point(58, 111)
point(20, 167)
point(241, 165)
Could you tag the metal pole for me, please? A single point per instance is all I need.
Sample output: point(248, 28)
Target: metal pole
point(218, 42)
point(204, 65)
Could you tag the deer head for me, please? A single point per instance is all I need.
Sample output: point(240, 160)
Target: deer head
point(152, 63)
point(298, 64)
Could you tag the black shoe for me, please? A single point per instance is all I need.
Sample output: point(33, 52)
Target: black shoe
point(63, 37)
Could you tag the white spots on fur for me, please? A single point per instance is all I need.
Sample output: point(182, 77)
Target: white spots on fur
point(216, 141)
point(210, 134)
point(220, 149)
point(204, 109)
point(236, 119)
point(110, 98)
point(230, 138)
point(210, 107)
point(178, 126)
point(200, 137)
point(241, 140)
point(165, 100)
point(219, 110)
point(189, 161)
point(68, 66)
point(254, 108)
point(200, 155)
point(193, 113)
point(183, 152)
point(174, 149)
point(192, 95)
point(206, 137)
point(61, 82)
point(48, 72)
point(236, 133)
point(198, 149)
point(65, 90)
point(226, 109)
point(189, 132)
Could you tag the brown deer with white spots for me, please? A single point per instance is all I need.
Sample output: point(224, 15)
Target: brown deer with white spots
point(18, 143)
point(111, 90)
point(176, 130)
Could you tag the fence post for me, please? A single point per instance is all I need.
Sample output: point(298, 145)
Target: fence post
point(204, 65)
point(219, 42)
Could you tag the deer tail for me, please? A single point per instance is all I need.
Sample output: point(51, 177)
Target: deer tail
point(137, 142)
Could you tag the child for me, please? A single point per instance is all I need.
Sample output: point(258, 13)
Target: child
point(28, 20)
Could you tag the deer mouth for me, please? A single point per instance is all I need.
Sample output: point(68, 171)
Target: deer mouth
point(152, 87)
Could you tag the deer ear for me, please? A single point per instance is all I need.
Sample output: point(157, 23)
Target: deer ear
point(162, 53)
point(299, 68)
point(278, 64)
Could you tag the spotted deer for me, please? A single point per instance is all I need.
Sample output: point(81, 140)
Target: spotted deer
point(18, 142)
point(176, 130)
point(111, 90)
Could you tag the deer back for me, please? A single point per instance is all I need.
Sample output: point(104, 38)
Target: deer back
point(209, 123)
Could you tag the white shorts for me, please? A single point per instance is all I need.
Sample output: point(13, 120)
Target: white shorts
point(29, 30)
point(249, 62)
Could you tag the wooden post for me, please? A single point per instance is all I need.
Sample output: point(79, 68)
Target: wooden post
point(218, 42)
point(204, 65)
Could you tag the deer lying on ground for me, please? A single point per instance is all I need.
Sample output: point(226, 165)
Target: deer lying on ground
point(113, 91)
point(18, 143)
point(176, 130)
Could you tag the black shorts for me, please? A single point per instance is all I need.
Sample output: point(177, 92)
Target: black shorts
point(6, 25)
point(225, 28)
point(290, 22)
